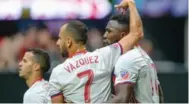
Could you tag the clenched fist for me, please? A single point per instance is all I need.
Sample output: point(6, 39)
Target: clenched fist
point(124, 5)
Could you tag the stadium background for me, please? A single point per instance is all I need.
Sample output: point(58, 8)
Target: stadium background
point(35, 23)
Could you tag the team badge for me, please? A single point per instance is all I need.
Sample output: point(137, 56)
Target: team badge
point(124, 75)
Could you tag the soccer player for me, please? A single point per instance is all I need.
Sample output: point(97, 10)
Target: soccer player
point(86, 76)
point(31, 68)
point(136, 78)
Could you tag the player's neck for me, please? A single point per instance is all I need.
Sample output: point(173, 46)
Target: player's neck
point(32, 79)
point(77, 49)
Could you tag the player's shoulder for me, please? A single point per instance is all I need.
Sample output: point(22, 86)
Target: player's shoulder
point(132, 54)
point(59, 67)
point(39, 86)
point(33, 91)
point(88, 54)
point(130, 57)
point(44, 89)
point(109, 47)
point(34, 95)
point(27, 93)
point(45, 85)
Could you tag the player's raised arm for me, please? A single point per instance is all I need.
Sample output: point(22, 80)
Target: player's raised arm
point(127, 42)
point(136, 28)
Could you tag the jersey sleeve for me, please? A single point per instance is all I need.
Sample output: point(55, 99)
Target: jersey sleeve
point(110, 54)
point(54, 79)
point(34, 98)
point(126, 71)
point(53, 91)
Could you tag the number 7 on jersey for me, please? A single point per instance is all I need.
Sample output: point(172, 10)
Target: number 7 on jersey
point(88, 73)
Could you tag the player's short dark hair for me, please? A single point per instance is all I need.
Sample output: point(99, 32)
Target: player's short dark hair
point(41, 57)
point(79, 30)
point(121, 19)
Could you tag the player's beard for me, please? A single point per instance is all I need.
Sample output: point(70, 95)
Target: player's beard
point(64, 51)
point(105, 42)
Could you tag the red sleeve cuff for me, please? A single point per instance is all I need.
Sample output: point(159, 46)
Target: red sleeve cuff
point(60, 93)
point(125, 83)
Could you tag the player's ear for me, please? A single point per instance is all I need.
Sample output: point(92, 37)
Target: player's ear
point(123, 34)
point(36, 66)
point(69, 42)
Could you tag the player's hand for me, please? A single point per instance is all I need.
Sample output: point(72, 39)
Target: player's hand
point(123, 5)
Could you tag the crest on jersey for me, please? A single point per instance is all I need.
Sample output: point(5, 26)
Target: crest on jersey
point(124, 75)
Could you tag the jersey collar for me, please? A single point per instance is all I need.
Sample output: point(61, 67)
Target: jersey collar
point(37, 81)
point(78, 52)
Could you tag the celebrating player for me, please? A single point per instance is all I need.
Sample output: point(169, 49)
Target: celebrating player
point(86, 76)
point(136, 77)
point(31, 68)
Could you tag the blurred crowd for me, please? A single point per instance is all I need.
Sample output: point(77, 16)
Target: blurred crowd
point(12, 48)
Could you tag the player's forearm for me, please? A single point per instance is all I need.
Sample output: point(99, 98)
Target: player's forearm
point(136, 29)
point(123, 93)
point(135, 20)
